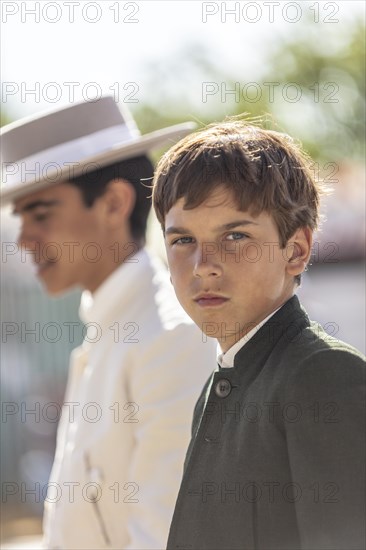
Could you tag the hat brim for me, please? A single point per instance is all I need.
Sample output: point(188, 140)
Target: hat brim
point(135, 147)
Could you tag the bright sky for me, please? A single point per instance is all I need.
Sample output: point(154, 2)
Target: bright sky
point(71, 50)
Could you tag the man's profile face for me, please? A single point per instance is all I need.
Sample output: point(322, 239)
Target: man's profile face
point(226, 266)
point(65, 237)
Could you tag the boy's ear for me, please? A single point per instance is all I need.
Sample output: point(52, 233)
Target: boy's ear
point(119, 200)
point(298, 251)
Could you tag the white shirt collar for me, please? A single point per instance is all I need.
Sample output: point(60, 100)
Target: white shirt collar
point(226, 360)
point(96, 307)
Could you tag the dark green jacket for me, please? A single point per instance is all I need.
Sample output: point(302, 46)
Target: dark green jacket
point(277, 457)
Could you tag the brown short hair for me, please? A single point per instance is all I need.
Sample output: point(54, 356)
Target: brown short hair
point(139, 172)
point(266, 170)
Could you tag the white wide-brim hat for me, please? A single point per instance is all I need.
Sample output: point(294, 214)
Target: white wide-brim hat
point(54, 147)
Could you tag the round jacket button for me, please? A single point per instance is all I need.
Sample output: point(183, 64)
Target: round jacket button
point(223, 388)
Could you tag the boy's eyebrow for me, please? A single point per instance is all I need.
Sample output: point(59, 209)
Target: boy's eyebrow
point(226, 226)
point(236, 224)
point(35, 204)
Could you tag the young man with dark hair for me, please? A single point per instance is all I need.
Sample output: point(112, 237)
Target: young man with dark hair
point(80, 180)
point(276, 459)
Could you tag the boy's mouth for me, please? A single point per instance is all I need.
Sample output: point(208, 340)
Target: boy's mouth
point(43, 266)
point(209, 300)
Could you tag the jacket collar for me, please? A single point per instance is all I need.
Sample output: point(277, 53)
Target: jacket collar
point(289, 320)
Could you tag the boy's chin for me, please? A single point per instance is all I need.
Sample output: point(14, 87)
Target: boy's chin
point(56, 291)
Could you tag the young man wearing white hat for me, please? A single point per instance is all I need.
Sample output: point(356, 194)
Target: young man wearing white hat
point(74, 178)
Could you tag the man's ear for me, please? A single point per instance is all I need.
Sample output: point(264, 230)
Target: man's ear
point(119, 200)
point(298, 251)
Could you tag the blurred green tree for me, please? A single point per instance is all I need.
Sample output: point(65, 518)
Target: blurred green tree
point(312, 86)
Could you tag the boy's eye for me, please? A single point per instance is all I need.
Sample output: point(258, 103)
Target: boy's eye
point(41, 216)
point(236, 236)
point(182, 240)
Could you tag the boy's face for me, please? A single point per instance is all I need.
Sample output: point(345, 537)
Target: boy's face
point(64, 237)
point(226, 266)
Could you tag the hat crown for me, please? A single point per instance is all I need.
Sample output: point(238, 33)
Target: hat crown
point(34, 135)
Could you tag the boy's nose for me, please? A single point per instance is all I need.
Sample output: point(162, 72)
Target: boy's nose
point(29, 240)
point(208, 261)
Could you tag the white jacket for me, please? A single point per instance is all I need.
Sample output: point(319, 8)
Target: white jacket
point(125, 424)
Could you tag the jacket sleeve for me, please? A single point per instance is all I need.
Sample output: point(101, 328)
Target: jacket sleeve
point(165, 382)
point(324, 418)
